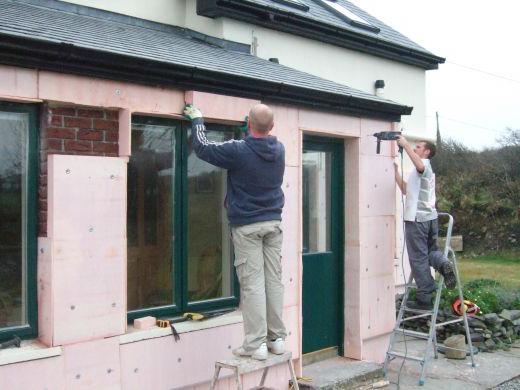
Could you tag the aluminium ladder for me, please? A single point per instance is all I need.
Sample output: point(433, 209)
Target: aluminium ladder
point(431, 336)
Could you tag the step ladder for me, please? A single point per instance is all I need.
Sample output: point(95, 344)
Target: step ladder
point(243, 365)
point(431, 336)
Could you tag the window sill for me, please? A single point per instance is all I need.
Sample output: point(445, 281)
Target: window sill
point(33, 349)
point(29, 350)
point(132, 335)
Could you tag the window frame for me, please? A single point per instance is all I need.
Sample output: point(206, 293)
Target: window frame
point(181, 303)
point(29, 330)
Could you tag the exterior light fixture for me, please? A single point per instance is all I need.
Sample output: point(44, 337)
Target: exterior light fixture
point(380, 86)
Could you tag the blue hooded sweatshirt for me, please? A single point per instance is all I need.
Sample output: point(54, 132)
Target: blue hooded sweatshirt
point(255, 173)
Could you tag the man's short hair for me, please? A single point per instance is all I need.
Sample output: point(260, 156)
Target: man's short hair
point(261, 118)
point(431, 147)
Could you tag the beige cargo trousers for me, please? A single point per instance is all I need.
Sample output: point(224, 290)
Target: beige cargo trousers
point(258, 248)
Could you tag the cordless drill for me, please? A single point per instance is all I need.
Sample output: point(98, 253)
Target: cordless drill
point(387, 136)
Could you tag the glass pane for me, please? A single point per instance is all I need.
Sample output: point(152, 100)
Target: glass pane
point(316, 200)
point(151, 175)
point(14, 129)
point(209, 245)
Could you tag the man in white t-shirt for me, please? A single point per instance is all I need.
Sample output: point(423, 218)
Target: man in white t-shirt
point(421, 226)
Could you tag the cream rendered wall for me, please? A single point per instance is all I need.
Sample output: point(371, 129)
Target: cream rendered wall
point(404, 83)
point(162, 11)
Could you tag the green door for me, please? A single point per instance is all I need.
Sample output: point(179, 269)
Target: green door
point(322, 244)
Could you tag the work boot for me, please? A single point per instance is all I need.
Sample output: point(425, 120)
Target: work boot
point(419, 305)
point(276, 346)
point(258, 354)
point(446, 270)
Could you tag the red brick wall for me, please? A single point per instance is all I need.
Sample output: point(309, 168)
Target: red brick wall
point(73, 130)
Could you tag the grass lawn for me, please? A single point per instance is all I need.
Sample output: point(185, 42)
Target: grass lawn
point(503, 267)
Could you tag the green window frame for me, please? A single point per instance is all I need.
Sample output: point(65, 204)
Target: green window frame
point(29, 328)
point(180, 187)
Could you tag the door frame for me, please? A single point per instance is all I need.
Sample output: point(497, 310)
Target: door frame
point(337, 146)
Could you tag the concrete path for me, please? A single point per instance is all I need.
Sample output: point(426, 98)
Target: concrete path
point(491, 369)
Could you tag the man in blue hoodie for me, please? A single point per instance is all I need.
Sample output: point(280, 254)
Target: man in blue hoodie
point(254, 204)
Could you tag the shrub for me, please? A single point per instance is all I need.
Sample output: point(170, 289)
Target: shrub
point(487, 294)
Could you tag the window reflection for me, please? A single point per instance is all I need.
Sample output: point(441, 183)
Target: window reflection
point(14, 128)
point(209, 249)
point(151, 174)
point(316, 200)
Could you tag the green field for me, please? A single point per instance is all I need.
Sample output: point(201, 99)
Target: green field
point(502, 267)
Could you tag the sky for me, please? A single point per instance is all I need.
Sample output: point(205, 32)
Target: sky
point(474, 106)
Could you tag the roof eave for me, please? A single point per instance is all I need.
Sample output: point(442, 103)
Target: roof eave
point(66, 58)
point(280, 20)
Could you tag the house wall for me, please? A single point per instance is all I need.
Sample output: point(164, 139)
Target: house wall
point(82, 261)
point(405, 84)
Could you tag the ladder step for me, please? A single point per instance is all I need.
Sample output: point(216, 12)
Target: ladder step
point(417, 311)
point(415, 317)
point(413, 333)
point(450, 322)
point(402, 355)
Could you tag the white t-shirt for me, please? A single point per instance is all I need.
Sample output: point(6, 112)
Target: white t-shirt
point(420, 195)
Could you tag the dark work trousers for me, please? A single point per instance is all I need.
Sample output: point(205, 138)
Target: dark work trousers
point(423, 253)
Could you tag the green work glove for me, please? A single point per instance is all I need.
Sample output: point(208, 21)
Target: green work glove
point(244, 128)
point(191, 112)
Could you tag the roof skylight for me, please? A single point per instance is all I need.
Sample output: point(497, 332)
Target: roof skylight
point(294, 4)
point(347, 15)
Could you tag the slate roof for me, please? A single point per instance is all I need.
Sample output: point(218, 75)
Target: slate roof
point(337, 31)
point(23, 22)
point(318, 13)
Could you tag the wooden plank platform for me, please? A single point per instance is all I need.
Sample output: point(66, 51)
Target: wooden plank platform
point(244, 365)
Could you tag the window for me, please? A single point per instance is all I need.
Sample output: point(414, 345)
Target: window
point(179, 247)
point(317, 201)
point(18, 196)
point(347, 15)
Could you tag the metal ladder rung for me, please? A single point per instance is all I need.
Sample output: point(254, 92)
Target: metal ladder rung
point(450, 321)
point(412, 333)
point(415, 317)
point(402, 355)
point(430, 312)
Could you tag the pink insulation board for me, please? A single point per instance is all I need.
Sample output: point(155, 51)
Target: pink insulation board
point(291, 249)
point(18, 83)
point(38, 374)
point(162, 363)
point(93, 365)
point(87, 229)
point(328, 124)
point(287, 131)
point(106, 93)
point(220, 107)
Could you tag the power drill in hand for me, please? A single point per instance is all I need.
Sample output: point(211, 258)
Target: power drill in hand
point(387, 136)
